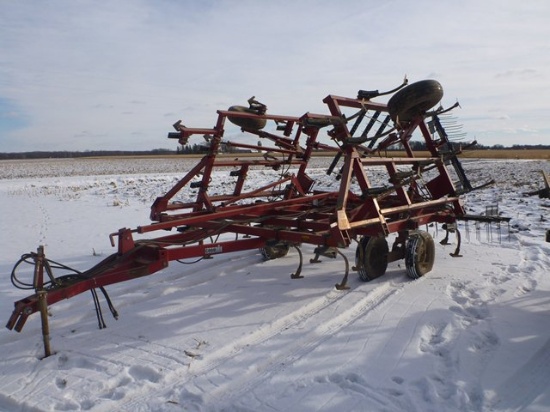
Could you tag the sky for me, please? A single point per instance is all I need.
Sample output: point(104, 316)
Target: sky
point(79, 75)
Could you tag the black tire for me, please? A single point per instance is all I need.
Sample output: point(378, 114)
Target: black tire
point(275, 250)
point(419, 254)
point(371, 257)
point(414, 100)
point(246, 122)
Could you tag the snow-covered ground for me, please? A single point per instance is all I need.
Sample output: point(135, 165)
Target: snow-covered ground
point(236, 333)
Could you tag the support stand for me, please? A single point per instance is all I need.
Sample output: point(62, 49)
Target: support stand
point(42, 297)
point(43, 307)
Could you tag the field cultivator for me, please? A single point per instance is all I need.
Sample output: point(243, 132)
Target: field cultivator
point(289, 210)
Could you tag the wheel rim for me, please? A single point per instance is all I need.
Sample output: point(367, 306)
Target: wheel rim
point(419, 254)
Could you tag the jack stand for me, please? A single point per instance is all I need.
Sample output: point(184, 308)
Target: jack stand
point(39, 264)
point(43, 307)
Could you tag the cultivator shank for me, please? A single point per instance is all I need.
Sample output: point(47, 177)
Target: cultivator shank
point(289, 210)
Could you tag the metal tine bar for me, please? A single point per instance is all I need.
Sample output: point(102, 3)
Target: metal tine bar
point(371, 123)
point(456, 136)
point(450, 126)
point(379, 131)
point(382, 126)
point(442, 131)
point(357, 122)
point(466, 185)
point(439, 128)
point(334, 163)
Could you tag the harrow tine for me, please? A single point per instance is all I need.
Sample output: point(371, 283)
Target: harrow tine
point(343, 284)
point(297, 274)
point(456, 253)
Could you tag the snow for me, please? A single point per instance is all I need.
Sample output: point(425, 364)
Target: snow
point(235, 333)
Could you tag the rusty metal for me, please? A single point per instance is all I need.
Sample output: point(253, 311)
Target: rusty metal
point(289, 210)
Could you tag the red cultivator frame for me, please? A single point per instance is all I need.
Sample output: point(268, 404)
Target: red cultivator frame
point(289, 211)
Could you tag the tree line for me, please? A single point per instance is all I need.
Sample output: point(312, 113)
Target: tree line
point(417, 145)
point(87, 153)
point(201, 149)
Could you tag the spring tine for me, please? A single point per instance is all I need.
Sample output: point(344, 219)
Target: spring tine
point(297, 274)
point(343, 284)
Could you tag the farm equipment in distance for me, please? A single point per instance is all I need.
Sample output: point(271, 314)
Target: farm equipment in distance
point(289, 211)
point(545, 191)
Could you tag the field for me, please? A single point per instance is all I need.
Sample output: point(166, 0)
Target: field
point(235, 333)
point(507, 154)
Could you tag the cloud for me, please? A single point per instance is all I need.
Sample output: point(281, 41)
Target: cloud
point(111, 68)
point(522, 73)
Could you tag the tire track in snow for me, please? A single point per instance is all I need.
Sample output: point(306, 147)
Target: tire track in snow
point(526, 384)
point(533, 378)
point(123, 382)
point(156, 359)
point(211, 362)
point(220, 364)
point(358, 303)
